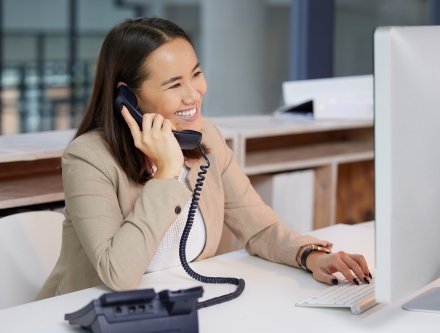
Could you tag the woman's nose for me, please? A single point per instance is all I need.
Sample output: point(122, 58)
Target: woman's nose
point(190, 95)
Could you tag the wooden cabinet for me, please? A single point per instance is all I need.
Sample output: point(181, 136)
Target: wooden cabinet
point(340, 153)
point(30, 169)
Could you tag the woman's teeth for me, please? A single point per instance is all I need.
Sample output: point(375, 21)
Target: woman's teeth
point(186, 114)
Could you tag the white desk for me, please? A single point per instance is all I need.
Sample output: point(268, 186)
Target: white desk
point(266, 305)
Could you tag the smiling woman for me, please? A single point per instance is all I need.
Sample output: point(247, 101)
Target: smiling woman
point(128, 188)
point(175, 85)
point(170, 97)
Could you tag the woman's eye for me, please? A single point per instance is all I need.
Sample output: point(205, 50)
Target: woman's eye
point(197, 73)
point(174, 86)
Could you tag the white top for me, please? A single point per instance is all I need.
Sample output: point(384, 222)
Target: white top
point(167, 254)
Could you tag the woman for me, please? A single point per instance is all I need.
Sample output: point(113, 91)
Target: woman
point(128, 189)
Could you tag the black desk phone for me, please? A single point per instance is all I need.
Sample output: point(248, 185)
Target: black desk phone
point(187, 139)
point(144, 311)
point(140, 311)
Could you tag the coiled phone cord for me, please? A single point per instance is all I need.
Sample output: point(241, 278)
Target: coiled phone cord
point(182, 247)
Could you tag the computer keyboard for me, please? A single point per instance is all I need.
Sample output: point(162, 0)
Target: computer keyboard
point(357, 298)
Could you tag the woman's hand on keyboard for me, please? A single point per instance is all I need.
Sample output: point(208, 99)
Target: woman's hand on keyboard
point(354, 267)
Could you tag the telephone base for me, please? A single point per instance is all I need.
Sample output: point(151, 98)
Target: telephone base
point(139, 311)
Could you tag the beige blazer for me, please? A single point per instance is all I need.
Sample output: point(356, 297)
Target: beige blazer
point(113, 226)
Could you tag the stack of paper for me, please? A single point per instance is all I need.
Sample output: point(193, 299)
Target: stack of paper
point(349, 97)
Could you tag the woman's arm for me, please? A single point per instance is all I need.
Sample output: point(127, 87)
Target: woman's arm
point(119, 234)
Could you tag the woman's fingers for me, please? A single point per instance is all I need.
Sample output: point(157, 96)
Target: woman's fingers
point(133, 126)
point(147, 122)
point(167, 125)
point(157, 122)
point(353, 267)
point(160, 127)
point(325, 277)
point(360, 259)
point(157, 142)
point(131, 122)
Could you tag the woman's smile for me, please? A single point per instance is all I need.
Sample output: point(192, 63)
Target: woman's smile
point(188, 115)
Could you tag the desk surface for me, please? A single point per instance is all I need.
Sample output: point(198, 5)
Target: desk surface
point(266, 305)
point(34, 146)
point(268, 125)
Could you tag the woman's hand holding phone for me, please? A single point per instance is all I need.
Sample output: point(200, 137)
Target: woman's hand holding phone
point(156, 140)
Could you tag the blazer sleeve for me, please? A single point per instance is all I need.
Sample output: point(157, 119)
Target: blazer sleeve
point(119, 247)
point(251, 220)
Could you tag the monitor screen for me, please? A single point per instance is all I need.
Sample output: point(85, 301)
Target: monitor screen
point(407, 159)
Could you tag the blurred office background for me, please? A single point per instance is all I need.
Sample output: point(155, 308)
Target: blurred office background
point(247, 48)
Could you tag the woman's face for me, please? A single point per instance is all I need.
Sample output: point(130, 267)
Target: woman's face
point(175, 86)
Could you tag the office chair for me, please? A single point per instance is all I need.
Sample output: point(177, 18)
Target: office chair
point(30, 244)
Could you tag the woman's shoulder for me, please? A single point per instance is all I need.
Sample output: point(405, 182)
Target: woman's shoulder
point(215, 141)
point(90, 149)
point(211, 133)
point(90, 143)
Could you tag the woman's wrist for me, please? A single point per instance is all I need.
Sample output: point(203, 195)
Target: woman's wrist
point(299, 254)
point(168, 169)
point(311, 259)
point(307, 252)
point(166, 174)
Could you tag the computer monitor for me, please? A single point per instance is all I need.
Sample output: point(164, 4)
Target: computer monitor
point(407, 159)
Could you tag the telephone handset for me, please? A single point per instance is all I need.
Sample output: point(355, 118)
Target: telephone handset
point(187, 139)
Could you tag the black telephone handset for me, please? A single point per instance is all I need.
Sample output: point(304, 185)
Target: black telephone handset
point(187, 139)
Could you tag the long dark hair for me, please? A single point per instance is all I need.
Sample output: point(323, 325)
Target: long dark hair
point(122, 56)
